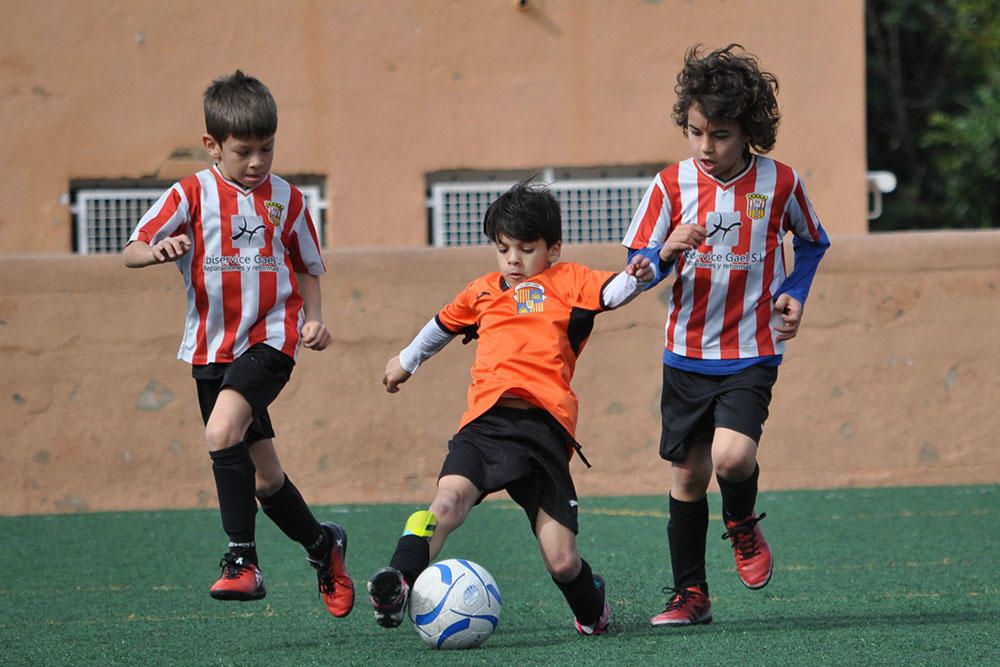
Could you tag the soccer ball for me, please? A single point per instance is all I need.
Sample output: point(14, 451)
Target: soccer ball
point(455, 603)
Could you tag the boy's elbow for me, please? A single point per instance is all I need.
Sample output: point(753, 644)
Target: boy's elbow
point(133, 257)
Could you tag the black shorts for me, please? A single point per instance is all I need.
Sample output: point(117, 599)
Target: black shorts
point(693, 405)
point(259, 374)
point(525, 452)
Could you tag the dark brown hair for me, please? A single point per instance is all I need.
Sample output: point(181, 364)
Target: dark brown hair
point(239, 106)
point(728, 85)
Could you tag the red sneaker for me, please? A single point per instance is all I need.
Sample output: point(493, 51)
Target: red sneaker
point(753, 557)
point(335, 586)
point(603, 623)
point(240, 580)
point(686, 606)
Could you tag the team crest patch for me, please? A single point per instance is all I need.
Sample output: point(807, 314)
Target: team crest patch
point(274, 212)
point(530, 298)
point(756, 203)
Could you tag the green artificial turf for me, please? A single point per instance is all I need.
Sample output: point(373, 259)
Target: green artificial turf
point(862, 576)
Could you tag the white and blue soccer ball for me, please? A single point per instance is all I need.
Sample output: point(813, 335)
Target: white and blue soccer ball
point(455, 603)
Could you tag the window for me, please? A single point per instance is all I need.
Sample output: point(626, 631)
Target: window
point(597, 203)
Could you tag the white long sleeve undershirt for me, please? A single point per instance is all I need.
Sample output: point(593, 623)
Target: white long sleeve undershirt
point(431, 340)
point(620, 290)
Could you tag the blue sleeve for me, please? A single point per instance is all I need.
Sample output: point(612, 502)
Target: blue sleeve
point(807, 256)
point(661, 269)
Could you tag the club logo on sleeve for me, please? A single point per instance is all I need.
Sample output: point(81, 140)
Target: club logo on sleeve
point(275, 211)
point(756, 203)
point(530, 298)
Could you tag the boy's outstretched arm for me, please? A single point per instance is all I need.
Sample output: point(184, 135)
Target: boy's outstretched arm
point(431, 340)
point(641, 268)
point(395, 375)
point(138, 254)
point(315, 335)
point(627, 285)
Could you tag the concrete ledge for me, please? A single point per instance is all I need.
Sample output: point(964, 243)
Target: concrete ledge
point(892, 381)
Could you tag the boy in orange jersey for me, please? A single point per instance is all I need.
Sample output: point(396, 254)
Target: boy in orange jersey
point(532, 319)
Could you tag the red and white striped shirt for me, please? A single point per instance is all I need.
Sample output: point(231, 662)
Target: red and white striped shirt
point(246, 247)
point(721, 303)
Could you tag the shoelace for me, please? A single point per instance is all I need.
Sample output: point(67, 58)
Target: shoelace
point(326, 582)
point(744, 537)
point(677, 597)
point(232, 568)
point(324, 575)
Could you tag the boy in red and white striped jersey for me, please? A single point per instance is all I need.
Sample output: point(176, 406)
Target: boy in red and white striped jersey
point(718, 219)
point(249, 254)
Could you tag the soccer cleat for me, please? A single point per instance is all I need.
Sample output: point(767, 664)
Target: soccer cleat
point(754, 563)
point(240, 580)
point(603, 623)
point(335, 586)
point(389, 593)
point(686, 606)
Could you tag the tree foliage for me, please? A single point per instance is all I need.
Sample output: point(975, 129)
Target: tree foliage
point(934, 110)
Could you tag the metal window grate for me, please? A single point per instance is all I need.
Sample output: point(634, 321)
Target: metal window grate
point(105, 218)
point(593, 211)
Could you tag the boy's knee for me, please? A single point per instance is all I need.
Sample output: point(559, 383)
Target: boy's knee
point(268, 485)
point(447, 508)
point(563, 565)
point(219, 435)
point(735, 466)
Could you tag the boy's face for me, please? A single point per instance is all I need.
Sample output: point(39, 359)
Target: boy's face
point(245, 161)
point(520, 260)
point(718, 146)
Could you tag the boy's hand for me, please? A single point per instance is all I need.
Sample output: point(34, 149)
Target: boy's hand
point(171, 248)
point(790, 310)
point(315, 335)
point(642, 269)
point(395, 375)
point(684, 237)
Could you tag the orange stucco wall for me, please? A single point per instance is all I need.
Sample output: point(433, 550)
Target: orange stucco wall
point(376, 94)
point(892, 381)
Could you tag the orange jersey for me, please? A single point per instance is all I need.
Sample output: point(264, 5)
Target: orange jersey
point(529, 336)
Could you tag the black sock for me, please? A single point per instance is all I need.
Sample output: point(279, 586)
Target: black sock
point(738, 498)
point(686, 532)
point(234, 482)
point(412, 556)
point(289, 512)
point(586, 601)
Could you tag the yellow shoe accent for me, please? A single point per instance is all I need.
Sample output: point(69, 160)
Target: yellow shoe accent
point(421, 524)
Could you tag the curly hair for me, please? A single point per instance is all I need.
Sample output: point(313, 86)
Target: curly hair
point(728, 85)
